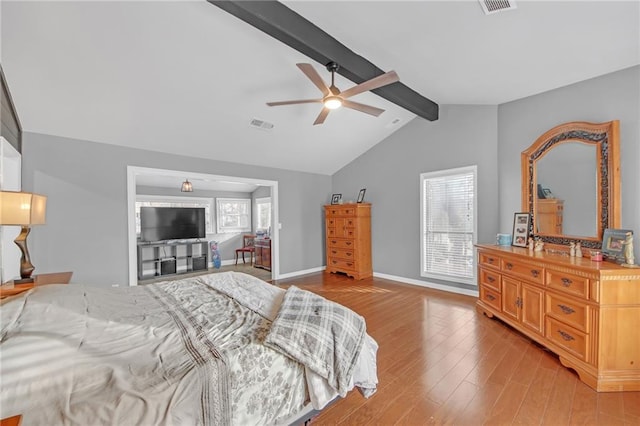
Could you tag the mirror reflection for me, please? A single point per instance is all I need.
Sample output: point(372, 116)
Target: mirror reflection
point(567, 191)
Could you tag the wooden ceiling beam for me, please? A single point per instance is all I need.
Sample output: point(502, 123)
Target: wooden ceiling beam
point(282, 23)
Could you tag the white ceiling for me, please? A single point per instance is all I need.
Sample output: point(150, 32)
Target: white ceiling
point(199, 182)
point(185, 77)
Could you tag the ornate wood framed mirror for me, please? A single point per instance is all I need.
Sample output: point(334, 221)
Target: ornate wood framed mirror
point(571, 183)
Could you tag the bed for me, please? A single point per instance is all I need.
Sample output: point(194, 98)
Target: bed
point(223, 348)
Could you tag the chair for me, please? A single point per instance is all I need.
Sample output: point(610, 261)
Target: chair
point(247, 247)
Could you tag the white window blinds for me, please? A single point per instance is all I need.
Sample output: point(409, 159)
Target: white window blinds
point(448, 204)
point(234, 215)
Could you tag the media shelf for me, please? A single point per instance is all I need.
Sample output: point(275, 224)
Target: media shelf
point(160, 259)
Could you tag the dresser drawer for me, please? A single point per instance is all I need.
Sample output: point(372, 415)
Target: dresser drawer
point(491, 298)
point(341, 264)
point(490, 279)
point(346, 254)
point(490, 260)
point(340, 211)
point(341, 232)
point(568, 311)
point(574, 341)
point(531, 273)
point(568, 283)
point(340, 243)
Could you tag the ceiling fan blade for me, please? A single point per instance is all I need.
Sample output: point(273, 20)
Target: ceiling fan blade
point(313, 75)
point(322, 116)
point(362, 108)
point(374, 83)
point(299, 101)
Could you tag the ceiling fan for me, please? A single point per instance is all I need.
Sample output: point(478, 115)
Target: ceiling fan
point(332, 96)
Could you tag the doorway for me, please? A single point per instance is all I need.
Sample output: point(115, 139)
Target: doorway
point(137, 174)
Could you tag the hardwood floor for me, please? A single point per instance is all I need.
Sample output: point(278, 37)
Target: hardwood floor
point(440, 362)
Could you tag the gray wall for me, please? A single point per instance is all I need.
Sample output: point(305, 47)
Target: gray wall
point(86, 182)
point(390, 171)
point(493, 138)
point(614, 96)
point(86, 229)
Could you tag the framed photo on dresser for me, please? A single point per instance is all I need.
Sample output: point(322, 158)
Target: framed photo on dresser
point(521, 222)
point(613, 243)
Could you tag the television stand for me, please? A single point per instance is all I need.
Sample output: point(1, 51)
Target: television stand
point(171, 258)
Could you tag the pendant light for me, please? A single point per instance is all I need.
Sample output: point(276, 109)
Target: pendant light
point(186, 186)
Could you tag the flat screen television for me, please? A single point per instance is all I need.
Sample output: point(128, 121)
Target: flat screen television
point(171, 223)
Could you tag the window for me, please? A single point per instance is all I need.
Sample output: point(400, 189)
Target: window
point(263, 213)
point(448, 228)
point(169, 201)
point(234, 215)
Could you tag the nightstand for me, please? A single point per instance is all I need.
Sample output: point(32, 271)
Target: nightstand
point(11, 421)
point(39, 279)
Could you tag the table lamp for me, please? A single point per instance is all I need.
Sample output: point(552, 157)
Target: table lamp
point(23, 209)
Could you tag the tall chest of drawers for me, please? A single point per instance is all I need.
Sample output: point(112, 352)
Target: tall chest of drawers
point(348, 239)
point(588, 313)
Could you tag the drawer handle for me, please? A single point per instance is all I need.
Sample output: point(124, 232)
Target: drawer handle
point(566, 282)
point(334, 252)
point(535, 273)
point(335, 262)
point(491, 297)
point(565, 309)
point(566, 336)
point(491, 279)
point(490, 259)
point(349, 264)
point(333, 241)
point(348, 243)
point(349, 253)
point(509, 266)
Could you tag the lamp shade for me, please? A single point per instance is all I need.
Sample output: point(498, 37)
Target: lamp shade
point(22, 208)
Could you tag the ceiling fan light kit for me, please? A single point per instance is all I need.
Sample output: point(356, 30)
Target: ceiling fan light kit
point(332, 96)
point(332, 102)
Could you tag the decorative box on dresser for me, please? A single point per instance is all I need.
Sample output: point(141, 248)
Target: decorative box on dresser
point(348, 233)
point(588, 313)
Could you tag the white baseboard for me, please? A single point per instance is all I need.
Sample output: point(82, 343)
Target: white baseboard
point(298, 273)
point(428, 284)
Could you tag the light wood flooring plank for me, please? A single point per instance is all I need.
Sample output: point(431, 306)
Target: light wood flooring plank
point(441, 362)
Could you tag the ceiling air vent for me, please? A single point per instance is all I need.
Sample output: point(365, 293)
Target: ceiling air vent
point(493, 6)
point(261, 124)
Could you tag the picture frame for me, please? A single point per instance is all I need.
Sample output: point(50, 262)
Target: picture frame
point(612, 247)
point(520, 234)
point(336, 198)
point(361, 195)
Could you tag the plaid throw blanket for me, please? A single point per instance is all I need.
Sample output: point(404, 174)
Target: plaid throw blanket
point(323, 335)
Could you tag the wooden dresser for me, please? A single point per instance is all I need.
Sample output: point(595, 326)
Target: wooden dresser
point(263, 253)
point(348, 232)
point(586, 312)
point(549, 213)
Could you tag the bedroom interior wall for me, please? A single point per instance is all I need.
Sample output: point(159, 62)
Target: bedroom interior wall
point(10, 180)
point(86, 186)
point(614, 96)
point(390, 171)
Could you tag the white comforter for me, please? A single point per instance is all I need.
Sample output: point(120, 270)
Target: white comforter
point(81, 355)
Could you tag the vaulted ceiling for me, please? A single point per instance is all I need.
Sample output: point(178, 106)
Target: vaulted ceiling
point(186, 77)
